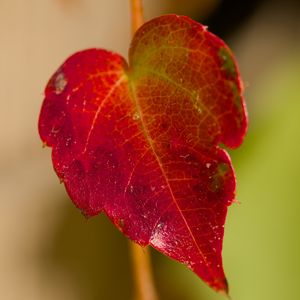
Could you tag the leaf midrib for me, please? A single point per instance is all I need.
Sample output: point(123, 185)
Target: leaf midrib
point(160, 164)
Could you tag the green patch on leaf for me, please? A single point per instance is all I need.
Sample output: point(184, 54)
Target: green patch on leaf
point(227, 62)
point(236, 97)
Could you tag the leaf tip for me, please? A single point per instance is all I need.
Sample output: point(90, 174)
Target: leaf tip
point(223, 287)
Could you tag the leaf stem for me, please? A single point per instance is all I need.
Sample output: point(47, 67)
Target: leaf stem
point(137, 15)
point(144, 285)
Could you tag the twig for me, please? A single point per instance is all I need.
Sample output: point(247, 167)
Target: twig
point(137, 15)
point(142, 271)
point(144, 285)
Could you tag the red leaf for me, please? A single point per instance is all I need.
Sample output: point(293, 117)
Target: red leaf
point(140, 142)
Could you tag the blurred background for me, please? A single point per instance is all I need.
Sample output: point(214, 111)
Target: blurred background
point(48, 250)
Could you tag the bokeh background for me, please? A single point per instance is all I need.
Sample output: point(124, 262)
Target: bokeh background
point(48, 250)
